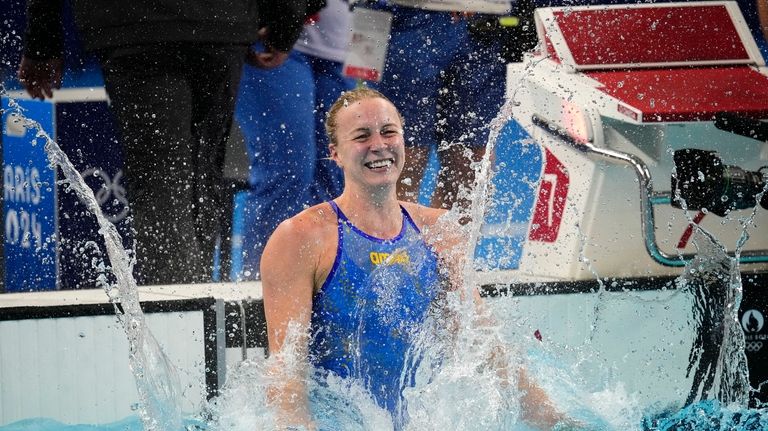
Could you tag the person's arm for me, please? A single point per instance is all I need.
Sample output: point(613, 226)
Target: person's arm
point(762, 15)
point(41, 65)
point(281, 24)
point(287, 271)
point(449, 239)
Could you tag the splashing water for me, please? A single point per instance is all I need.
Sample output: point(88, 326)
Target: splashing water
point(335, 403)
point(717, 358)
point(156, 378)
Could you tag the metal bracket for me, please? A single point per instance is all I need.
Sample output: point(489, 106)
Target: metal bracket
point(648, 198)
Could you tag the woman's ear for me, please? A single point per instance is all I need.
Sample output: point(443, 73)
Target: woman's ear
point(333, 154)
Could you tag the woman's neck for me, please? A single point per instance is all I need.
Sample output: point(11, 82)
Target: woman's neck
point(377, 215)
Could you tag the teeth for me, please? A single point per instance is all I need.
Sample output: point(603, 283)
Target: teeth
point(379, 164)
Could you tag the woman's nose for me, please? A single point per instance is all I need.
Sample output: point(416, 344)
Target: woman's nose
point(378, 142)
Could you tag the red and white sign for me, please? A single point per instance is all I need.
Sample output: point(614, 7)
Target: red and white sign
point(550, 203)
point(673, 62)
point(660, 35)
point(368, 45)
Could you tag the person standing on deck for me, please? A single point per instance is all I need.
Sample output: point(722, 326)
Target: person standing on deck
point(171, 70)
point(446, 68)
point(281, 113)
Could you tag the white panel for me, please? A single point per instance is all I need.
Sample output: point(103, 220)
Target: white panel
point(42, 334)
point(10, 364)
point(3, 342)
point(644, 338)
point(75, 370)
point(111, 367)
point(182, 338)
point(235, 356)
point(69, 393)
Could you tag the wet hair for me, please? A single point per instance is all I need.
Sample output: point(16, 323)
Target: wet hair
point(347, 98)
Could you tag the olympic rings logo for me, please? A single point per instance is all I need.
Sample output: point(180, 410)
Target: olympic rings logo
point(753, 346)
point(110, 188)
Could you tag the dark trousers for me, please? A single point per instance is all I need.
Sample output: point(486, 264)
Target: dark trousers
point(174, 105)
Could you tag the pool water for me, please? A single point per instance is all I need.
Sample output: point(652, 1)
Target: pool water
point(343, 412)
point(40, 424)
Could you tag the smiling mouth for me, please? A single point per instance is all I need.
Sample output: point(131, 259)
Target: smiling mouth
point(379, 164)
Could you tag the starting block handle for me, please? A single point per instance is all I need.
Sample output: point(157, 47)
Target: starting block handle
point(648, 198)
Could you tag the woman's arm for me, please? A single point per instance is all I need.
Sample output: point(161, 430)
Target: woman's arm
point(449, 239)
point(287, 271)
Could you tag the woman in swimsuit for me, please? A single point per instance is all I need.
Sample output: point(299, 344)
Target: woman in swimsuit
point(348, 283)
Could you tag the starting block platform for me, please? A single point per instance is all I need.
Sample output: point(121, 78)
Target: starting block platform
point(661, 62)
point(608, 96)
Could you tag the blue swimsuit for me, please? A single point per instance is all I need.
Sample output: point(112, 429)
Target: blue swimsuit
point(367, 312)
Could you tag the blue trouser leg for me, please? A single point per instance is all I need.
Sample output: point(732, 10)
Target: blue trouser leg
point(275, 113)
point(281, 113)
point(448, 87)
point(329, 84)
point(413, 70)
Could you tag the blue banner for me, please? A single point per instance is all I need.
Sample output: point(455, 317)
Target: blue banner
point(29, 200)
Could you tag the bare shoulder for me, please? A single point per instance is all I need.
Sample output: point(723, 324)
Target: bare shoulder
point(423, 216)
point(309, 228)
point(303, 240)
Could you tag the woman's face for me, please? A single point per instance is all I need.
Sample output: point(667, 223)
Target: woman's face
point(369, 143)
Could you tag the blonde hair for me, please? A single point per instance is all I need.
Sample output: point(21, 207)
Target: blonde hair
point(346, 99)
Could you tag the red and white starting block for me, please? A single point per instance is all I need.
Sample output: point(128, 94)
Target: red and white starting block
point(609, 95)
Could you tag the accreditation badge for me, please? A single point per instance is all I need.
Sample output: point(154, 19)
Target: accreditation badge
point(368, 48)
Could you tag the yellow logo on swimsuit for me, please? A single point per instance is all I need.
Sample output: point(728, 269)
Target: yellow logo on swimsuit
point(400, 256)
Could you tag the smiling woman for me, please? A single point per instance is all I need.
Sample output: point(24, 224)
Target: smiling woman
point(317, 267)
point(350, 285)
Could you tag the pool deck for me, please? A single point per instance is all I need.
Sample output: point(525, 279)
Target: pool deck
point(223, 291)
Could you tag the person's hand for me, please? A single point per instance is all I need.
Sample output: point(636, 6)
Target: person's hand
point(267, 59)
point(458, 16)
point(40, 77)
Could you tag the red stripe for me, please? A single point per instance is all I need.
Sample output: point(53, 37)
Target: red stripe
point(689, 230)
point(312, 19)
point(362, 73)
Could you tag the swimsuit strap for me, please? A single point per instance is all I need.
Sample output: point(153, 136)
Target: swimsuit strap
point(344, 220)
